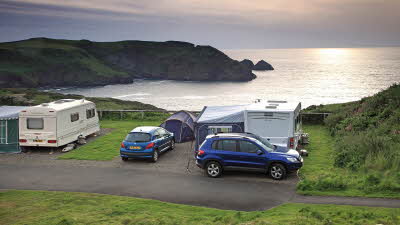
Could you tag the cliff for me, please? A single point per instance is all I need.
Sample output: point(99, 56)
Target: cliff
point(40, 62)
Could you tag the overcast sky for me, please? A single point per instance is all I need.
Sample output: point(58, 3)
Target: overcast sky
point(227, 24)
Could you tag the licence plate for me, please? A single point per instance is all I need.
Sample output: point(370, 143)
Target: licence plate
point(37, 140)
point(134, 147)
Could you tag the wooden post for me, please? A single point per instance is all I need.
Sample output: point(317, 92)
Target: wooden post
point(120, 115)
point(142, 114)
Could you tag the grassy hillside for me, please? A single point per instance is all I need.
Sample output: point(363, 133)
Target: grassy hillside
point(365, 150)
point(26, 97)
point(44, 207)
point(39, 62)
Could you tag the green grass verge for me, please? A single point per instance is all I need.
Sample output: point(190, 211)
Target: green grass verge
point(321, 177)
point(107, 146)
point(44, 207)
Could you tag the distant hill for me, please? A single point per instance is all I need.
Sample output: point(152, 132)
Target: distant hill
point(29, 97)
point(40, 62)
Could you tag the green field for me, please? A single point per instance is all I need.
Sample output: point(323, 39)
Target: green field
point(44, 207)
point(107, 146)
point(319, 176)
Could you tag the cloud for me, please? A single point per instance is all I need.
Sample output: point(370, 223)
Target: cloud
point(272, 21)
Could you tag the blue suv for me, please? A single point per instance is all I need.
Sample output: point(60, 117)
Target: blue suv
point(244, 150)
point(146, 142)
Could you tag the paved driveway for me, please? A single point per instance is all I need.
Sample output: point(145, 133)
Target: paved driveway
point(174, 178)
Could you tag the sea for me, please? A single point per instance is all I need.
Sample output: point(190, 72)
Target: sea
point(312, 76)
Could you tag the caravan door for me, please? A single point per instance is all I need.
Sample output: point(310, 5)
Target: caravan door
point(273, 126)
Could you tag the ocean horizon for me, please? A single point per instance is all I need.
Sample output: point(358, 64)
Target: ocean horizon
point(312, 76)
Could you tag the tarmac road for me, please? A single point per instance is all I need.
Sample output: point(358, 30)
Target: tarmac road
point(174, 178)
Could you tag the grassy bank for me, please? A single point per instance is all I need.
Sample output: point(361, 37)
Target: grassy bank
point(107, 146)
point(320, 176)
point(28, 97)
point(41, 207)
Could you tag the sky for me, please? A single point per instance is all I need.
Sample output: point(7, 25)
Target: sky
point(225, 24)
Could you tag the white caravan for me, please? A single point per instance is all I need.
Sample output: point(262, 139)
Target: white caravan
point(57, 123)
point(277, 121)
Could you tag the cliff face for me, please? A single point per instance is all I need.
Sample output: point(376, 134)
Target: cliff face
point(50, 62)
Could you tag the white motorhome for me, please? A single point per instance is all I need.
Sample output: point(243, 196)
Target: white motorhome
point(277, 121)
point(57, 123)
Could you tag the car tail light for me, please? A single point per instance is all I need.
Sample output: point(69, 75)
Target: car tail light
point(52, 141)
point(150, 145)
point(200, 152)
point(122, 145)
point(291, 142)
point(22, 140)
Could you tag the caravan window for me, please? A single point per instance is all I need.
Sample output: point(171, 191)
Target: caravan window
point(74, 117)
point(3, 132)
point(90, 113)
point(35, 123)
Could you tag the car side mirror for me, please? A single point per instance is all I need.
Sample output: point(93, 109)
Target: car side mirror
point(259, 152)
point(156, 137)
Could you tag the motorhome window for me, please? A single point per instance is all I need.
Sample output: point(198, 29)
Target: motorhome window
point(3, 132)
point(219, 129)
point(90, 113)
point(227, 145)
point(35, 123)
point(268, 114)
point(138, 137)
point(248, 147)
point(297, 123)
point(74, 117)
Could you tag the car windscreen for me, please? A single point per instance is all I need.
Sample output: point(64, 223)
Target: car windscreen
point(267, 148)
point(138, 137)
point(264, 141)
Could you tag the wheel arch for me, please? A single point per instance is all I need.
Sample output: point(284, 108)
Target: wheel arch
point(275, 162)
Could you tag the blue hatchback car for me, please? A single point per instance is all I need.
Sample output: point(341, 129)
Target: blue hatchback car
point(244, 150)
point(146, 142)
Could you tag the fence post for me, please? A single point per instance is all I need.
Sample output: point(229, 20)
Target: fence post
point(120, 115)
point(142, 114)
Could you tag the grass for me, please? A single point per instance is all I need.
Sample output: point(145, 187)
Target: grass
point(44, 207)
point(107, 146)
point(321, 177)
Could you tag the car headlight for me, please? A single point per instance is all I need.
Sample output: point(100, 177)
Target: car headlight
point(292, 159)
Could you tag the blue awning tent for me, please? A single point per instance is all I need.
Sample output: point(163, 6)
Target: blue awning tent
point(182, 125)
point(218, 119)
point(9, 127)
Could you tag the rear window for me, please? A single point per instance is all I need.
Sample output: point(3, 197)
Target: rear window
point(138, 137)
point(225, 145)
point(35, 123)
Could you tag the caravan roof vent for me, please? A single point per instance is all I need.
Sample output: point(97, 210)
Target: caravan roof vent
point(44, 104)
point(273, 101)
point(63, 101)
point(270, 107)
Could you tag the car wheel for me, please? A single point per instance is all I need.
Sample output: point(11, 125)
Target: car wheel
point(124, 158)
point(155, 156)
point(172, 144)
point(213, 169)
point(277, 171)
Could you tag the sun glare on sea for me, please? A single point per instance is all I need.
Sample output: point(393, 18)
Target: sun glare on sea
point(333, 55)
